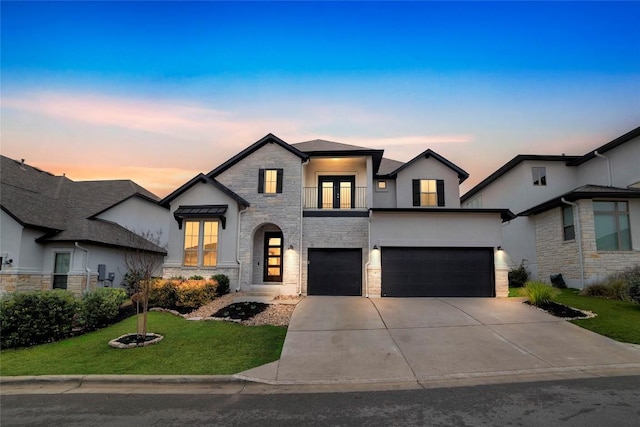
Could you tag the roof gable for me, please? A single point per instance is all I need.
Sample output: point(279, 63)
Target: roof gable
point(462, 174)
point(268, 139)
point(201, 178)
point(510, 165)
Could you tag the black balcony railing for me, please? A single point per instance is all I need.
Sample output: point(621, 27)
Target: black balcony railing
point(340, 198)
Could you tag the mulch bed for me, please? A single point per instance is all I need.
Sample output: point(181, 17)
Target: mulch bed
point(240, 310)
point(561, 310)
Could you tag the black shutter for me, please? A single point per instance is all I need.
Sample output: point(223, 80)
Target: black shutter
point(261, 181)
point(416, 192)
point(279, 181)
point(440, 190)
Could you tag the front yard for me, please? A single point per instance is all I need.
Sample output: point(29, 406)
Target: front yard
point(188, 348)
point(615, 319)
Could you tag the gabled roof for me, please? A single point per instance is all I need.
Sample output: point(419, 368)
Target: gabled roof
point(137, 196)
point(462, 175)
point(512, 164)
point(606, 147)
point(201, 178)
point(584, 192)
point(101, 232)
point(56, 204)
point(323, 148)
point(268, 139)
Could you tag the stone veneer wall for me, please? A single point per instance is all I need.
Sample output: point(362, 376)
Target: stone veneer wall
point(76, 284)
point(282, 210)
point(556, 256)
point(335, 232)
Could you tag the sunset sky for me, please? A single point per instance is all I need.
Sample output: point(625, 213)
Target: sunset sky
point(158, 92)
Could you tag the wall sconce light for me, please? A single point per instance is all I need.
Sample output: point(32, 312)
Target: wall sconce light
point(8, 262)
point(375, 247)
point(499, 248)
point(290, 247)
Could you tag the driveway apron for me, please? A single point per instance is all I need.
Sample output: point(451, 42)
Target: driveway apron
point(355, 339)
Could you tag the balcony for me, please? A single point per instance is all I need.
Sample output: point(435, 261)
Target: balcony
point(339, 197)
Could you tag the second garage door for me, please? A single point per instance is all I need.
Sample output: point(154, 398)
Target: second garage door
point(437, 272)
point(335, 272)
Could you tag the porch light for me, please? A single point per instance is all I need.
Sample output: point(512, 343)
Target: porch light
point(290, 247)
point(499, 248)
point(375, 247)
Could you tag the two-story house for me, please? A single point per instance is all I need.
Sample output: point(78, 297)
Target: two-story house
point(324, 218)
point(577, 215)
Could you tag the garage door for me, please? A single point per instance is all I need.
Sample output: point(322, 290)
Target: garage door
point(335, 272)
point(437, 272)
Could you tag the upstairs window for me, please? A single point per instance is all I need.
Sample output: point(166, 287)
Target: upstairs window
point(613, 232)
point(270, 181)
point(200, 243)
point(382, 185)
point(428, 192)
point(568, 228)
point(539, 175)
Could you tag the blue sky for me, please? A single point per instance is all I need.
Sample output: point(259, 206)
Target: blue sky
point(158, 92)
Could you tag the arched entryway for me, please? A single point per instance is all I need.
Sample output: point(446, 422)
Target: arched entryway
point(268, 254)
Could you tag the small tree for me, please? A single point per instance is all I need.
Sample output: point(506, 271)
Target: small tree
point(142, 259)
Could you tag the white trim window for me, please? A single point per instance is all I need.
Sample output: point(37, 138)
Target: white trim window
point(200, 243)
point(613, 230)
point(61, 266)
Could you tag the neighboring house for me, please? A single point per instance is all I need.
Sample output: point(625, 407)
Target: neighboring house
point(59, 233)
point(577, 215)
point(324, 218)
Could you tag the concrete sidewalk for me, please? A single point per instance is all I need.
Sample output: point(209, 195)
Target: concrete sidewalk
point(431, 340)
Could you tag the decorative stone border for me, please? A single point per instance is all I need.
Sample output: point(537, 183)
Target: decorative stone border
point(116, 344)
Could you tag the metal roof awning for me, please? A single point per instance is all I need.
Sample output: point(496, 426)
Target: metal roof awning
point(201, 211)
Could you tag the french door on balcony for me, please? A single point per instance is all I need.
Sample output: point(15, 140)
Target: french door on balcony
point(336, 192)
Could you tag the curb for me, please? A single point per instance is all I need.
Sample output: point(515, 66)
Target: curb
point(119, 379)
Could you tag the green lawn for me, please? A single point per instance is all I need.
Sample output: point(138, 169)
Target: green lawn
point(616, 319)
point(188, 348)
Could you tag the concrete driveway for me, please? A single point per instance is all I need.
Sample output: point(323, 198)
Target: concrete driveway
point(355, 339)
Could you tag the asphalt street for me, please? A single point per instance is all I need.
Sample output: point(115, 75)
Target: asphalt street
point(608, 401)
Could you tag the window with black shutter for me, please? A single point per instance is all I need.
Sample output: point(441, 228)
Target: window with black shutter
point(428, 192)
point(270, 181)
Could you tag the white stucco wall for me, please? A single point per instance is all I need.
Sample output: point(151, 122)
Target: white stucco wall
point(429, 168)
point(519, 243)
point(204, 194)
point(625, 166)
point(10, 240)
point(436, 229)
point(385, 198)
point(140, 216)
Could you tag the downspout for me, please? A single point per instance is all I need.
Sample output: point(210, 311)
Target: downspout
point(240, 211)
point(86, 265)
point(578, 237)
point(595, 153)
point(306, 162)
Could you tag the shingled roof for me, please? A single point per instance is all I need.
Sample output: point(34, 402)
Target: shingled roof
point(62, 208)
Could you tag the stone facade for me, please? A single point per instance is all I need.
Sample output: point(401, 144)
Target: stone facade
point(76, 284)
point(558, 256)
point(335, 232)
point(281, 211)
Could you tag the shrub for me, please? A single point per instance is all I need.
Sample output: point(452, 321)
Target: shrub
point(518, 276)
point(182, 295)
point(223, 284)
point(196, 277)
point(619, 289)
point(100, 307)
point(634, 290)
point(631, 278)
point(538, 293)
point(600, 290)
point(164, 293)
point(31, 318)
